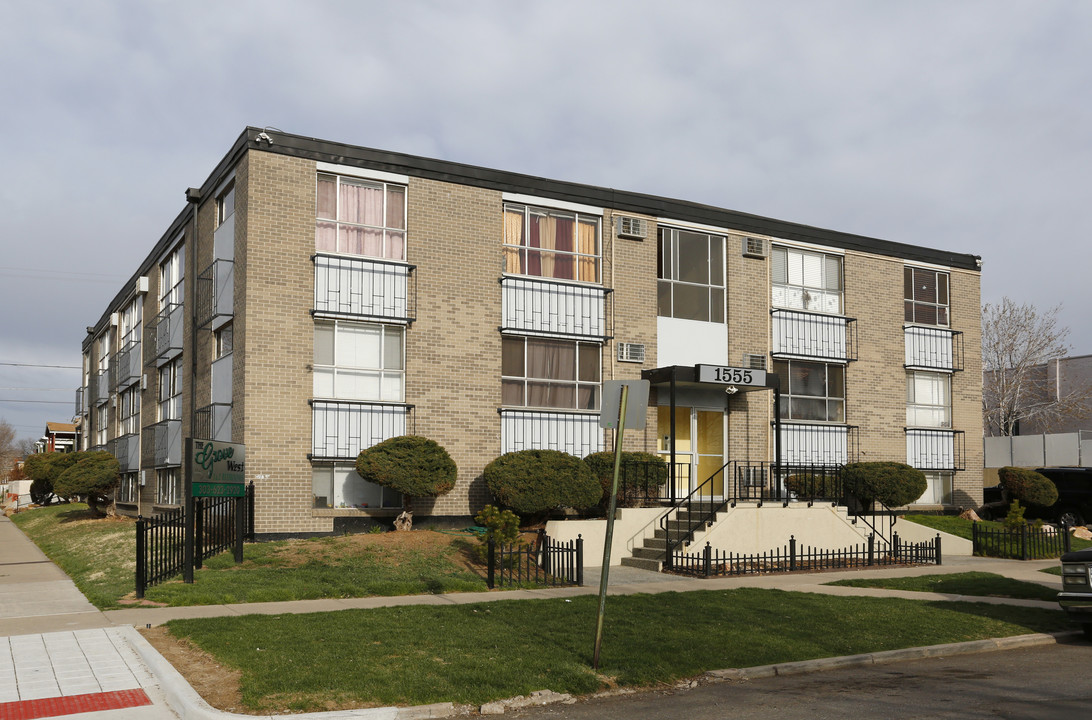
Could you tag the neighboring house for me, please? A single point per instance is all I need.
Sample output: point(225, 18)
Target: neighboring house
point(314, 298)
point(58, 437)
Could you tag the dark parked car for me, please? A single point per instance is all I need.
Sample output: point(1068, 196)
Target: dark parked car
point(1076, 595)
point(1074, 504)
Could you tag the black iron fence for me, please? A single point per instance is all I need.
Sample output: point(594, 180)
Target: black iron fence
point(796, 558)
point(547, 562)
point(218, 526)
point(1027, 543)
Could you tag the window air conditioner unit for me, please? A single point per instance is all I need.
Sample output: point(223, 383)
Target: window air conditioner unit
point(631, 352)
point(756, 247)
point(753, 361)
point(141, 285)
point(631, 227)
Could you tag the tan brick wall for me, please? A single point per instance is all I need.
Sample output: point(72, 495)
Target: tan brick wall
point(750, 438)
point(275, 236)
point(453, 349)
point(966, 302)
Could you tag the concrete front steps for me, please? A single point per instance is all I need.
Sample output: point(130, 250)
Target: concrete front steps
point(651, 555)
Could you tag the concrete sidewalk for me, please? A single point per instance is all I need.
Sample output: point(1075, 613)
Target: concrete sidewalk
point(55, 647)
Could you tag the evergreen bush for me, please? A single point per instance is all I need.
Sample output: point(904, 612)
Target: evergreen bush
point(93, 475)
point(413, 465)
point(893, 484)
point(639, 473)
point(1027, 486)
point(533, 482)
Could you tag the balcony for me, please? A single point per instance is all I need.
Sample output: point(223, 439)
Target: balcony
point(221, 379)
point(808, 444)
point(102, 387)
point(814, 336)
point(81, 400)
point(128, 365)
point(341, 429)
point(931, 348)
point(554, 309)
point(360, 288)
point(214, 422)
point(936, 449)
point(163, 335)
point(223, 239)
point(216, 294)
point(127, 450)
point(168, 443)
point(575, 433)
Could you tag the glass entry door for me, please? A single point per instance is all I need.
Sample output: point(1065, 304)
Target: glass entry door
point(699, 447)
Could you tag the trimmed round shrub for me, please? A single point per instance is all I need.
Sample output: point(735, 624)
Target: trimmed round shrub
point(413, 465)
point(43, 469)
point(639, 472)
point(93, 475)
point(532, 482)
point(893, 484)
point(1027, 486)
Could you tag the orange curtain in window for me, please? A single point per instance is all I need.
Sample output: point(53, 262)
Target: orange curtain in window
point(513, 240)
point(543, 235)
point(589, 251)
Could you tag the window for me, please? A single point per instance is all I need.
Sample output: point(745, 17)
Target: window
point(225, 204)
point(551, 243)
point(928, 399)
point(338, 486)
point(805, 280)
point(102, 425)
point(224, 340)
point(170, 390)
point(550, 373)
point(926, 293)
point(816, 391)
point(168, 486)
point(171, 277)
point(129, 488)
point(361, 217)
point(691, 273)
point(129, 411)
point(129, 324)
point(938, 489)
point(359, 361)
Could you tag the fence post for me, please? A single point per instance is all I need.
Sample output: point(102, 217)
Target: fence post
point(707, 559)
point(1023, 542)
point(871, 548)
point(1067, 542)
point(250, 512)
point(240, 527)
point(579, 560)
point(792, 552)
point(141, 563)
point(544, 547)
point(897, 546)
point(974, 538)
point(491, 547)
point(937, 545)
point(198, 531)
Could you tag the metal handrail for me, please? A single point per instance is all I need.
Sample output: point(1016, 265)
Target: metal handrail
point(675, 538)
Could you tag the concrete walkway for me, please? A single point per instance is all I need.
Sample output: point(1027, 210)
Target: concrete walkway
point(59, 654)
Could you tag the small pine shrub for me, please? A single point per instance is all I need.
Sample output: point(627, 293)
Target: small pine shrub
point(1015, 518)
point(893, 484)
point(1028, 486)
point(534, 482)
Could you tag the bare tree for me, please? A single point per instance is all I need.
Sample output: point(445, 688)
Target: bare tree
point(9, 449)
point(1018, 342)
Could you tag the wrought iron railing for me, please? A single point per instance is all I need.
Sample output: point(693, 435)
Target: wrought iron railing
point(215, 292)
point(128, 364)
point(932, 348)
point(817, 336)
point(163, 335)
point(363, 288)
point(1026, 543)
point(213, 422)
point(553, 308)
point(936, 449)
point(341, 429)
point(547, 562)
point(167, 436)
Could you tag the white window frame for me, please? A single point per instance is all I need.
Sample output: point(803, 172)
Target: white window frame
point(340, 480)
point(129, 411)
point(510, 380)
point(169, 391)
point(669, 281)
point(784, 369)
point(225, 203)
point(938, 489)
point(386, 371)
point(386, 228)
point(102, 424)
point(919, 411)
point(517, 252)
point(794, 288)
point(172, 278)
point(168, 486)
point(129, 488)
point(940, 304)
point(224, 339)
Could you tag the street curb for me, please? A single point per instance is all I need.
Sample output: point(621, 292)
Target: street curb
point(188, 705)
point(886, 657)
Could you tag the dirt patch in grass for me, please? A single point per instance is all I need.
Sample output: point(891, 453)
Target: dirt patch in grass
point(217, 684)
point(295, 553)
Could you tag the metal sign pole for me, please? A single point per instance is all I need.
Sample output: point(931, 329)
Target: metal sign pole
point(610, 527)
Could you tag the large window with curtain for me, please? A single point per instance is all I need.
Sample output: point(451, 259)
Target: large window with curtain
point(815, 391)
point(551, 243)
point(361, 217)
point(803, 280)
point(691, 275)
point(537, 372)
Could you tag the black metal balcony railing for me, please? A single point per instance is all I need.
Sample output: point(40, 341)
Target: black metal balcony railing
point(127, 450)
point(163, 335)
point(364, 288)
point(213, 422)
point(817, 444)
point(81, 398)
point(554, 308)
point(215, 292)
point(930, 348)
point(128, 365)
point(936, 449)
point(814, 336)
point(341, 429)
point(571, 432)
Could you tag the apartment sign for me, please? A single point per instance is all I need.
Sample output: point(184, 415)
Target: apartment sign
point(723, 375)
point(219, 468)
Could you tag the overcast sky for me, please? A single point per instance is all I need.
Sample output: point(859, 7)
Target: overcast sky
point(963, 126)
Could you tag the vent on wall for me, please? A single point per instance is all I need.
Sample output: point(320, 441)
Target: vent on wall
point(754, 362)
point(631, 352)
point(755, 247)
point(631, 227)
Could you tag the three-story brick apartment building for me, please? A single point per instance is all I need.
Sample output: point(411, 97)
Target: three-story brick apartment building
point(313, 298)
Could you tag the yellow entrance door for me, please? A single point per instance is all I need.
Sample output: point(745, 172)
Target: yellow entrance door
point(710, 450)
point(699, 447)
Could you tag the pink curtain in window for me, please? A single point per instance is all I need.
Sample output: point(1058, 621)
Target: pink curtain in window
point(563, 242)
point(543, 235)
point(361, 205)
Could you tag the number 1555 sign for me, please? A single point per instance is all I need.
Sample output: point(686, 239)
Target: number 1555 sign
point(730, 375)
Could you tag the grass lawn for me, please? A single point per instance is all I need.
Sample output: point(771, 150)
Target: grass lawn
point(481, 652)
point(975, 584)
point(962, 528)
point(99, 555)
